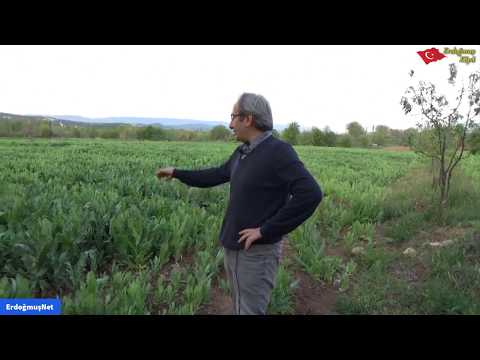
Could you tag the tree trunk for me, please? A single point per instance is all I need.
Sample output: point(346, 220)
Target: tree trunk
point(435, 171)
point(446, 181)
point(449, 177)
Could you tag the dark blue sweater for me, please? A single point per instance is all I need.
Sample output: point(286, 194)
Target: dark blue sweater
point(269, 188)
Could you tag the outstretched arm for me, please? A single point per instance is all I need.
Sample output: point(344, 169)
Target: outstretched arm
point(200, 178)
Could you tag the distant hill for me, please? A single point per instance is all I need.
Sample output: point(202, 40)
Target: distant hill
point(189, 124)
point(14, 117)
point(81, 121)
point(199, 127)
point(61, 122)
point(172, 123)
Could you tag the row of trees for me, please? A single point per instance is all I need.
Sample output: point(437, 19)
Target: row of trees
point(47, 129)
point(355, 136)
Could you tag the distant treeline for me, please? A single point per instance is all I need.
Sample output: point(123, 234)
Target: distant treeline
point(54, 129)
point(355, 136)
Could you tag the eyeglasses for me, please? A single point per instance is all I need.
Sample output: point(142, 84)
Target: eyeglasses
point(233, 116)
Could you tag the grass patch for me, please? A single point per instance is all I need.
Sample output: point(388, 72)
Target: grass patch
point(439, 297)
point(377, 259)
point(411, 204)
point(377, 292)
point(406, 227)
point(450, 286)
point(453, 287)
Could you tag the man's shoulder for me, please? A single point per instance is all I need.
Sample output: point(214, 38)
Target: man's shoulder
point(277, 144)
point(280, 147)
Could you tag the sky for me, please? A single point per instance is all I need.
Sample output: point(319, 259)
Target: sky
point(314, 85)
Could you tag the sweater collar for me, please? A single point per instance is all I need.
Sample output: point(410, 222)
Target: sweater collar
point(248, 147)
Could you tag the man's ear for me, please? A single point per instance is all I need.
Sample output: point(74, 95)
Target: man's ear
point(249, 121)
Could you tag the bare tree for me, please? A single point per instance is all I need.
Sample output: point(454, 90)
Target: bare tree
point(443, 128)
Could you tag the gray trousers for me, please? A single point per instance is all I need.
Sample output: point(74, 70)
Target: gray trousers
point(251, 275)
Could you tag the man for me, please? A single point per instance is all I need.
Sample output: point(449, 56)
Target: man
point(271, 193)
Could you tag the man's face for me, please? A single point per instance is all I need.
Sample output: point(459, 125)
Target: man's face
point(239, 124)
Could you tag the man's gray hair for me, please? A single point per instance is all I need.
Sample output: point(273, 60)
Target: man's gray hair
point(259, 107)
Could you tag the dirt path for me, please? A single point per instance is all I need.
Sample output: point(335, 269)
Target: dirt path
point(311, 298)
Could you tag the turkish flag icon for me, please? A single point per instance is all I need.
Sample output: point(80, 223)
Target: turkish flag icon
point(430, 55)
